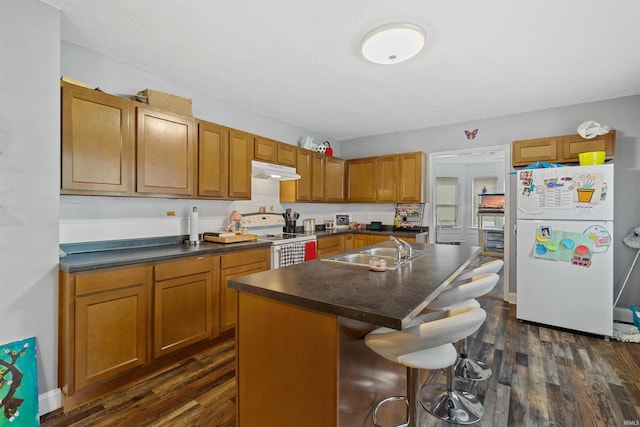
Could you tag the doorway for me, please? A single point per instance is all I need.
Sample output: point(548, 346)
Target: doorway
point(453, 179)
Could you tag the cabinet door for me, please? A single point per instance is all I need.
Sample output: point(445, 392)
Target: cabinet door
point(240, 156)
point(303, 185)
point(334, 171)
point(349, 242)
point(287, 154)
point(166, 153)
point(331, 245)
point(360, 241)
point(97, 143)
point(410, 189)
point(265, 150)
point(317, 177)
point(213, 160)
point(235, 265)
point(387, 184)
point(535, 150)
point(361, 180)
point(111, 331)
point(183, 312)
point(572, 145)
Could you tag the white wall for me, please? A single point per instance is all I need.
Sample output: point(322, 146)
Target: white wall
point(29, 179)
point(621, 114)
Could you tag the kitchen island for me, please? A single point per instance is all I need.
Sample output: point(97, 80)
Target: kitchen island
point(301, 358)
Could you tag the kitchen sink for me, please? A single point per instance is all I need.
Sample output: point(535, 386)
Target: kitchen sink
point(364, 257)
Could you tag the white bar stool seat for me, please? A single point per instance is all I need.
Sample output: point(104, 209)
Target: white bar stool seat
point(463, 295)
point(427, 344)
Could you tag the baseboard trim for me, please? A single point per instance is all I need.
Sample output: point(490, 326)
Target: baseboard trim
point(49, 401)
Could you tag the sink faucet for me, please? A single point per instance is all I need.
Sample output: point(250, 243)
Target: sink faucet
point(402, 245)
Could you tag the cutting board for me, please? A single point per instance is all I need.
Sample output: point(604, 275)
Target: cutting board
point(231, 239)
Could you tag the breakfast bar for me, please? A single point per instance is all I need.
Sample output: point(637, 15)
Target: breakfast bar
point(301, 358)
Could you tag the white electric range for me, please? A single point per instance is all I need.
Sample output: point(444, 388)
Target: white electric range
point(286, 247)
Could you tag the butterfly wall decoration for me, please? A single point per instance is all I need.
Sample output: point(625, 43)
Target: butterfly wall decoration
point(472, 134)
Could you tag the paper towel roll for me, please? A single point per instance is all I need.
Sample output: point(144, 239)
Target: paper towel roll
point(193, 226)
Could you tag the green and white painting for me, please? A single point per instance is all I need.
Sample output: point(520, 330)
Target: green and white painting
point(19, 384)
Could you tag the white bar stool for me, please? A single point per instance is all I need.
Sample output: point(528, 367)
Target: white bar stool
point(488, 267)
point(426, 343)
point(463, 295)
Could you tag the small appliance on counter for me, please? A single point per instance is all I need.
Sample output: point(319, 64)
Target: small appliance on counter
point(290, 219)
point(309, 225)
point(375, 226)
point(328, 224)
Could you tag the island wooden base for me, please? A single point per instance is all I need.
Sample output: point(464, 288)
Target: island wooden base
point(297, 366)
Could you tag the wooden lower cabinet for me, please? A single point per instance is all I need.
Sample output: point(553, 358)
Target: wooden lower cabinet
point(104, 325)
point(234, 265)
point(183, 303)
point(331, 245)
point(119, 324)
point(360, 240)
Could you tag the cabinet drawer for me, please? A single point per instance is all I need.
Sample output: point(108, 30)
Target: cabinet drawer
point(91, 282)
point(182, 267)
point(244, 258)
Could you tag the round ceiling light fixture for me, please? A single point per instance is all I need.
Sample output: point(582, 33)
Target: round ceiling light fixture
point(393, 43)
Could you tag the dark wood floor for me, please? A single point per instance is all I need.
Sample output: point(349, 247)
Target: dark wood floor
point(542, 377)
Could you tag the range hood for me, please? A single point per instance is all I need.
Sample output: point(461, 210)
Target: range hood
point(270, 171)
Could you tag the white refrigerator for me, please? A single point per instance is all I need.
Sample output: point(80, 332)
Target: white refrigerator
point(564, 236)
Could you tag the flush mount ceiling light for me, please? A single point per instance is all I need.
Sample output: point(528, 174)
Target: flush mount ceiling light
point(393, 43)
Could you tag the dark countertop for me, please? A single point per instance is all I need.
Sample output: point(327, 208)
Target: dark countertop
point(386, 231)
point(391, 298)
point(116, 257)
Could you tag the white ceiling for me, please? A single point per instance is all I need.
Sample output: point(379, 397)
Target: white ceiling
point(299, 61)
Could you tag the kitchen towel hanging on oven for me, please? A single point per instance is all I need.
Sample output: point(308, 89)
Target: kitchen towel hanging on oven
point(292, 253)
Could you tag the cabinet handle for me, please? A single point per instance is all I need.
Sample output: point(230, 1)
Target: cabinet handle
point(200, 257)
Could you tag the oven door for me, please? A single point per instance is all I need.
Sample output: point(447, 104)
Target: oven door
point(276, 251)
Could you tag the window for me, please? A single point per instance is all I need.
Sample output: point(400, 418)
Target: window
point(489, 185)
point(447, 202)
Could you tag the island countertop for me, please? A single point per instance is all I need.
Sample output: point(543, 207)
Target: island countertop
point(391, 298)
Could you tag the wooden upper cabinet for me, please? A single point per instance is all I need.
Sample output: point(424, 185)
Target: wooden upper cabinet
point(334, 179)
point(535, 150)
point(240, 156)
point(361, 180)
point(265, 149)
point(572, 145)
point(561, 149)
point(386, 172)
point(298, 190)
point(411, 184)
point(97, 143)
point(317, 177)
point(287, 154)
point(213, 160)
point(166, 153)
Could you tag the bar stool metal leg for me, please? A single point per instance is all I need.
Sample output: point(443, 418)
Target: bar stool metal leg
point(451, 405)
point(470, 369)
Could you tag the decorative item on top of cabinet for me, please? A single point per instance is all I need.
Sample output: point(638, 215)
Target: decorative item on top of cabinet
point(560, 149)
point(166, 153)
point(213, 160)
point(184, 298)
point(97, 143)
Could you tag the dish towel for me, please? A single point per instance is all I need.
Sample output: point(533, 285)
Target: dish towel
point(310, 251)
point(291, 254)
